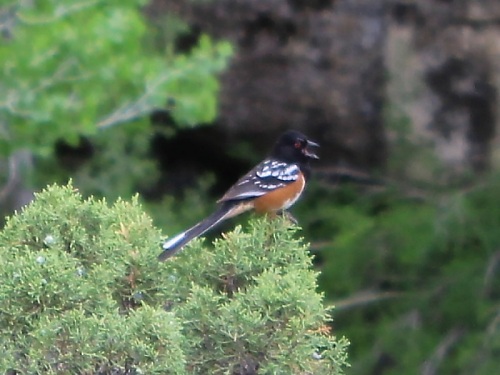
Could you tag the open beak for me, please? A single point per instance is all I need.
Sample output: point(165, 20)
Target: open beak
point(308, 153)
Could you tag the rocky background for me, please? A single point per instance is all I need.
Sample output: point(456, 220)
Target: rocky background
point(349, 72)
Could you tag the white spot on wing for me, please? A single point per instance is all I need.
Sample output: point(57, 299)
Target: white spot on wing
point(266, 172)
point(249, 194)
point(242, 182)
point(167, 245)
point(277, 169)
point(290, 173)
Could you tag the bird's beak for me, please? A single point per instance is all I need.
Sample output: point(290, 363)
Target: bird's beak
point(308, 153)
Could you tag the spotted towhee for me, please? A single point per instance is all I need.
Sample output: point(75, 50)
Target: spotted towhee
point(272, 186)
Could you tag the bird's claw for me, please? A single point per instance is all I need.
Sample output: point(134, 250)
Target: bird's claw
point(287, 215)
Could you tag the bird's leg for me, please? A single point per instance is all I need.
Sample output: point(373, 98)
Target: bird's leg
point(289, 216)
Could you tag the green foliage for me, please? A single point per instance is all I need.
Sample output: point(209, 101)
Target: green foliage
point(416, 281)
point(83, 292)
point(70, 68)
point(98, 69)
point(68, 303)
point(256, 294)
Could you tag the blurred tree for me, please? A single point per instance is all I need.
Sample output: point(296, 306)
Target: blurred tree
point(72, 68)
point(414, 275)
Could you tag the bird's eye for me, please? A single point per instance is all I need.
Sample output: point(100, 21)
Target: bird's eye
point(298, 144)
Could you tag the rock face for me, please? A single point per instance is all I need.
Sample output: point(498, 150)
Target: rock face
point(311, 65)
point(333, 67)
point(443, 58)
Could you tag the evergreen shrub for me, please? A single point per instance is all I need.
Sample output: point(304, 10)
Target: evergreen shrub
point(83, 293)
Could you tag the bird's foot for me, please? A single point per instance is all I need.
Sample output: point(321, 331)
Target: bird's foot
point(287, 215)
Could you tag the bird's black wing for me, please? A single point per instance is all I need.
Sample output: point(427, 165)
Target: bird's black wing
point(267, 176)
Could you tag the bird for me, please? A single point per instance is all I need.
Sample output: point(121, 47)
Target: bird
point(271, 187)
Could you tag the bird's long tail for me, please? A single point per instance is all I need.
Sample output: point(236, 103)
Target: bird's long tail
point(173, 245)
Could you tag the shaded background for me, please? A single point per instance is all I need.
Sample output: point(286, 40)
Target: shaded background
point(403, 213)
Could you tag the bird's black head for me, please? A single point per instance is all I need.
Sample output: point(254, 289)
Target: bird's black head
point(293, 147)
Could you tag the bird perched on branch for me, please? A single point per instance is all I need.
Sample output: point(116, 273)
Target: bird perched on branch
point(272, 186)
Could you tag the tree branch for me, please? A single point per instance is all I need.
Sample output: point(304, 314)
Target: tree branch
point(60, 12)
point(364, 298)
point(430, 367)
point(489, 275)
point(12, 178)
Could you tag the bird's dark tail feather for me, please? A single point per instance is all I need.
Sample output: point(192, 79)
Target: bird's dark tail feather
point(173, 245)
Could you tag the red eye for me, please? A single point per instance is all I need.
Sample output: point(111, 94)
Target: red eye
point(298, 145)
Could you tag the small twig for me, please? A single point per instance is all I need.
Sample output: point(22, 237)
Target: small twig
point(140, 107)
point(493, 326)
point(8, 19)
point(491, 270)
point(60, 12)
point(483, 351)
point(364, 298)
point(320, 245)
point(430, 367)
point(59, 76)
point(131, 111)
point(11, 179)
